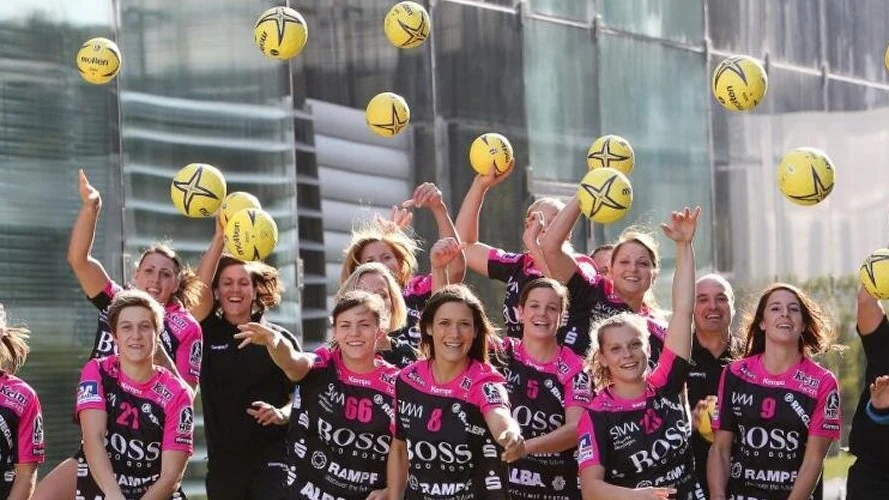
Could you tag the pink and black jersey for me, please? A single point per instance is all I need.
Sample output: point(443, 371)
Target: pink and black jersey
point(416, 293)
point(594, 299)
point(144, 420)
point(451, 453)
point(517, 270)
point(539, 393)
point(181, 336)
point(340, 429)
point(772, 417)
point(643, 442)
point(21, 422)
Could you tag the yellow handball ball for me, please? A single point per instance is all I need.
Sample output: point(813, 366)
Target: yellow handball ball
point(387, 114)
point(705, 420)
point(739, 83)
point(611, 151)
point(806, 176)
point(98, 60)
point(605, 195)
point(197, 190)
point(407, 25)
point(491, 151)
point(251, 234)
point(280, 33)
point(874, 274)
point(235, 202)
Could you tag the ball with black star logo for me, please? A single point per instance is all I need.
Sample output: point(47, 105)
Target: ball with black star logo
point(280, 33)
point(611, 151)
point(739, 83)
point(806, 176)
point(874, 274)
point(407, 25)
point(387, 114)
point(197, 190)
point(605, 195)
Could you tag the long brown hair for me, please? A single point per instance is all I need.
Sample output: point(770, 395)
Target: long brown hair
point(817, 335)
point(14, 342)
point(485, 335)
point(266, 281)
point(189, 292)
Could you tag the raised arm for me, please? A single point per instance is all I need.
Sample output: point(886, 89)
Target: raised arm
point(89, 272)
point(559, 263)
point(207, 271)
point(445, 253)
point(681, 229)
point(468, 217)
point(427, 195)
point(293, 363)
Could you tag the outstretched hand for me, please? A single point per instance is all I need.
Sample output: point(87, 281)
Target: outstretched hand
point(494, 178)
point(444, 251)
point(879, 393)
point(426, 195)
point(88, 194)
point(682, 225)
point(256, 333)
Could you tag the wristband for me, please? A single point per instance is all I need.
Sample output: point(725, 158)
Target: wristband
point(878, 416)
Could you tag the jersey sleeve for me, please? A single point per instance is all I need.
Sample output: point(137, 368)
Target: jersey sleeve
point(104, 298)
point(90, 393)
point(588, 453)
point(670, 374)
point(489, 394)
point(724, 418)
point(876, 351)
point(179, 424)
point(398, 430)
point(578, 390)
point(189, 353)
point(825, 421)
point(503, 264)
point(30, 447)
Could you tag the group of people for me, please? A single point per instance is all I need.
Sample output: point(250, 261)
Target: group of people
point(592, 390)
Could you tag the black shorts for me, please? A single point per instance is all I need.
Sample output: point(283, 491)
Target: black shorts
point(87, 487)
point(244, 477)
point(867, 481)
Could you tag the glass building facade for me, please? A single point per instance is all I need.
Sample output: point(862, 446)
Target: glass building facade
point(552, 75)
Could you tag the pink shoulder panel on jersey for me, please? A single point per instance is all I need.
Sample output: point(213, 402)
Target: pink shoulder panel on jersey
point(656, 325)
point(586, 265)
point(577, 383)
point(487, 387)
point(90, 393)
point(504, 257)
point(111, 289)
point(661, 374)
point(418, 285)
point(826, 420)
point(184, 327)
point(381, 379)
point(587, 445)
point(19, 397)
point(178, 414)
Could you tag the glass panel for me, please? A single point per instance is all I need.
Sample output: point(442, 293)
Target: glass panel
point(677, 20)
point(727, 33)
point(658, 102)
point(576, 10)
point(560, 97)
point(793, 32)
point(53, 123)
point(854, 47)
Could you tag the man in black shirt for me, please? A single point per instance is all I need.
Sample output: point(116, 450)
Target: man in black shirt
point(869, 441)
point(713, 347)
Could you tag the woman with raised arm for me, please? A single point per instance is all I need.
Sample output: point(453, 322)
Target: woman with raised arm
point(20, 410)
point(596, 296)
point(634, 442)
point(388, 243)
point(779, 411)
point(162, 275)
point(517, 269)
point(548, 390)
point(245, 396)
point(136, 417)
point(341, 420)
point(453, 428)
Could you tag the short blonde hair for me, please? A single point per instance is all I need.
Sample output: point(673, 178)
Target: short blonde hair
point(398, 315)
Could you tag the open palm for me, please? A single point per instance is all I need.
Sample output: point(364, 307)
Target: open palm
point(682, 225)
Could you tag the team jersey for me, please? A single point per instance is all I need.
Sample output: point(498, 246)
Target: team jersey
point(643, 442)
point(539, 393)
point(772, 417)
point(231, 380)
point(401, 354)
point(144, 420)
point(21, 422)
point(517, 270)
point(181, 336)
point(340, 429)
point(416, 293)
point(451, 453)
point(594, 299)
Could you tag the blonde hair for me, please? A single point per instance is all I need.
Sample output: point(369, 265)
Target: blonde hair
point(14, 341)
point(398, 313)
point(555, 203)
point(404, 246)
point(601, 374)
point(638, 235)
